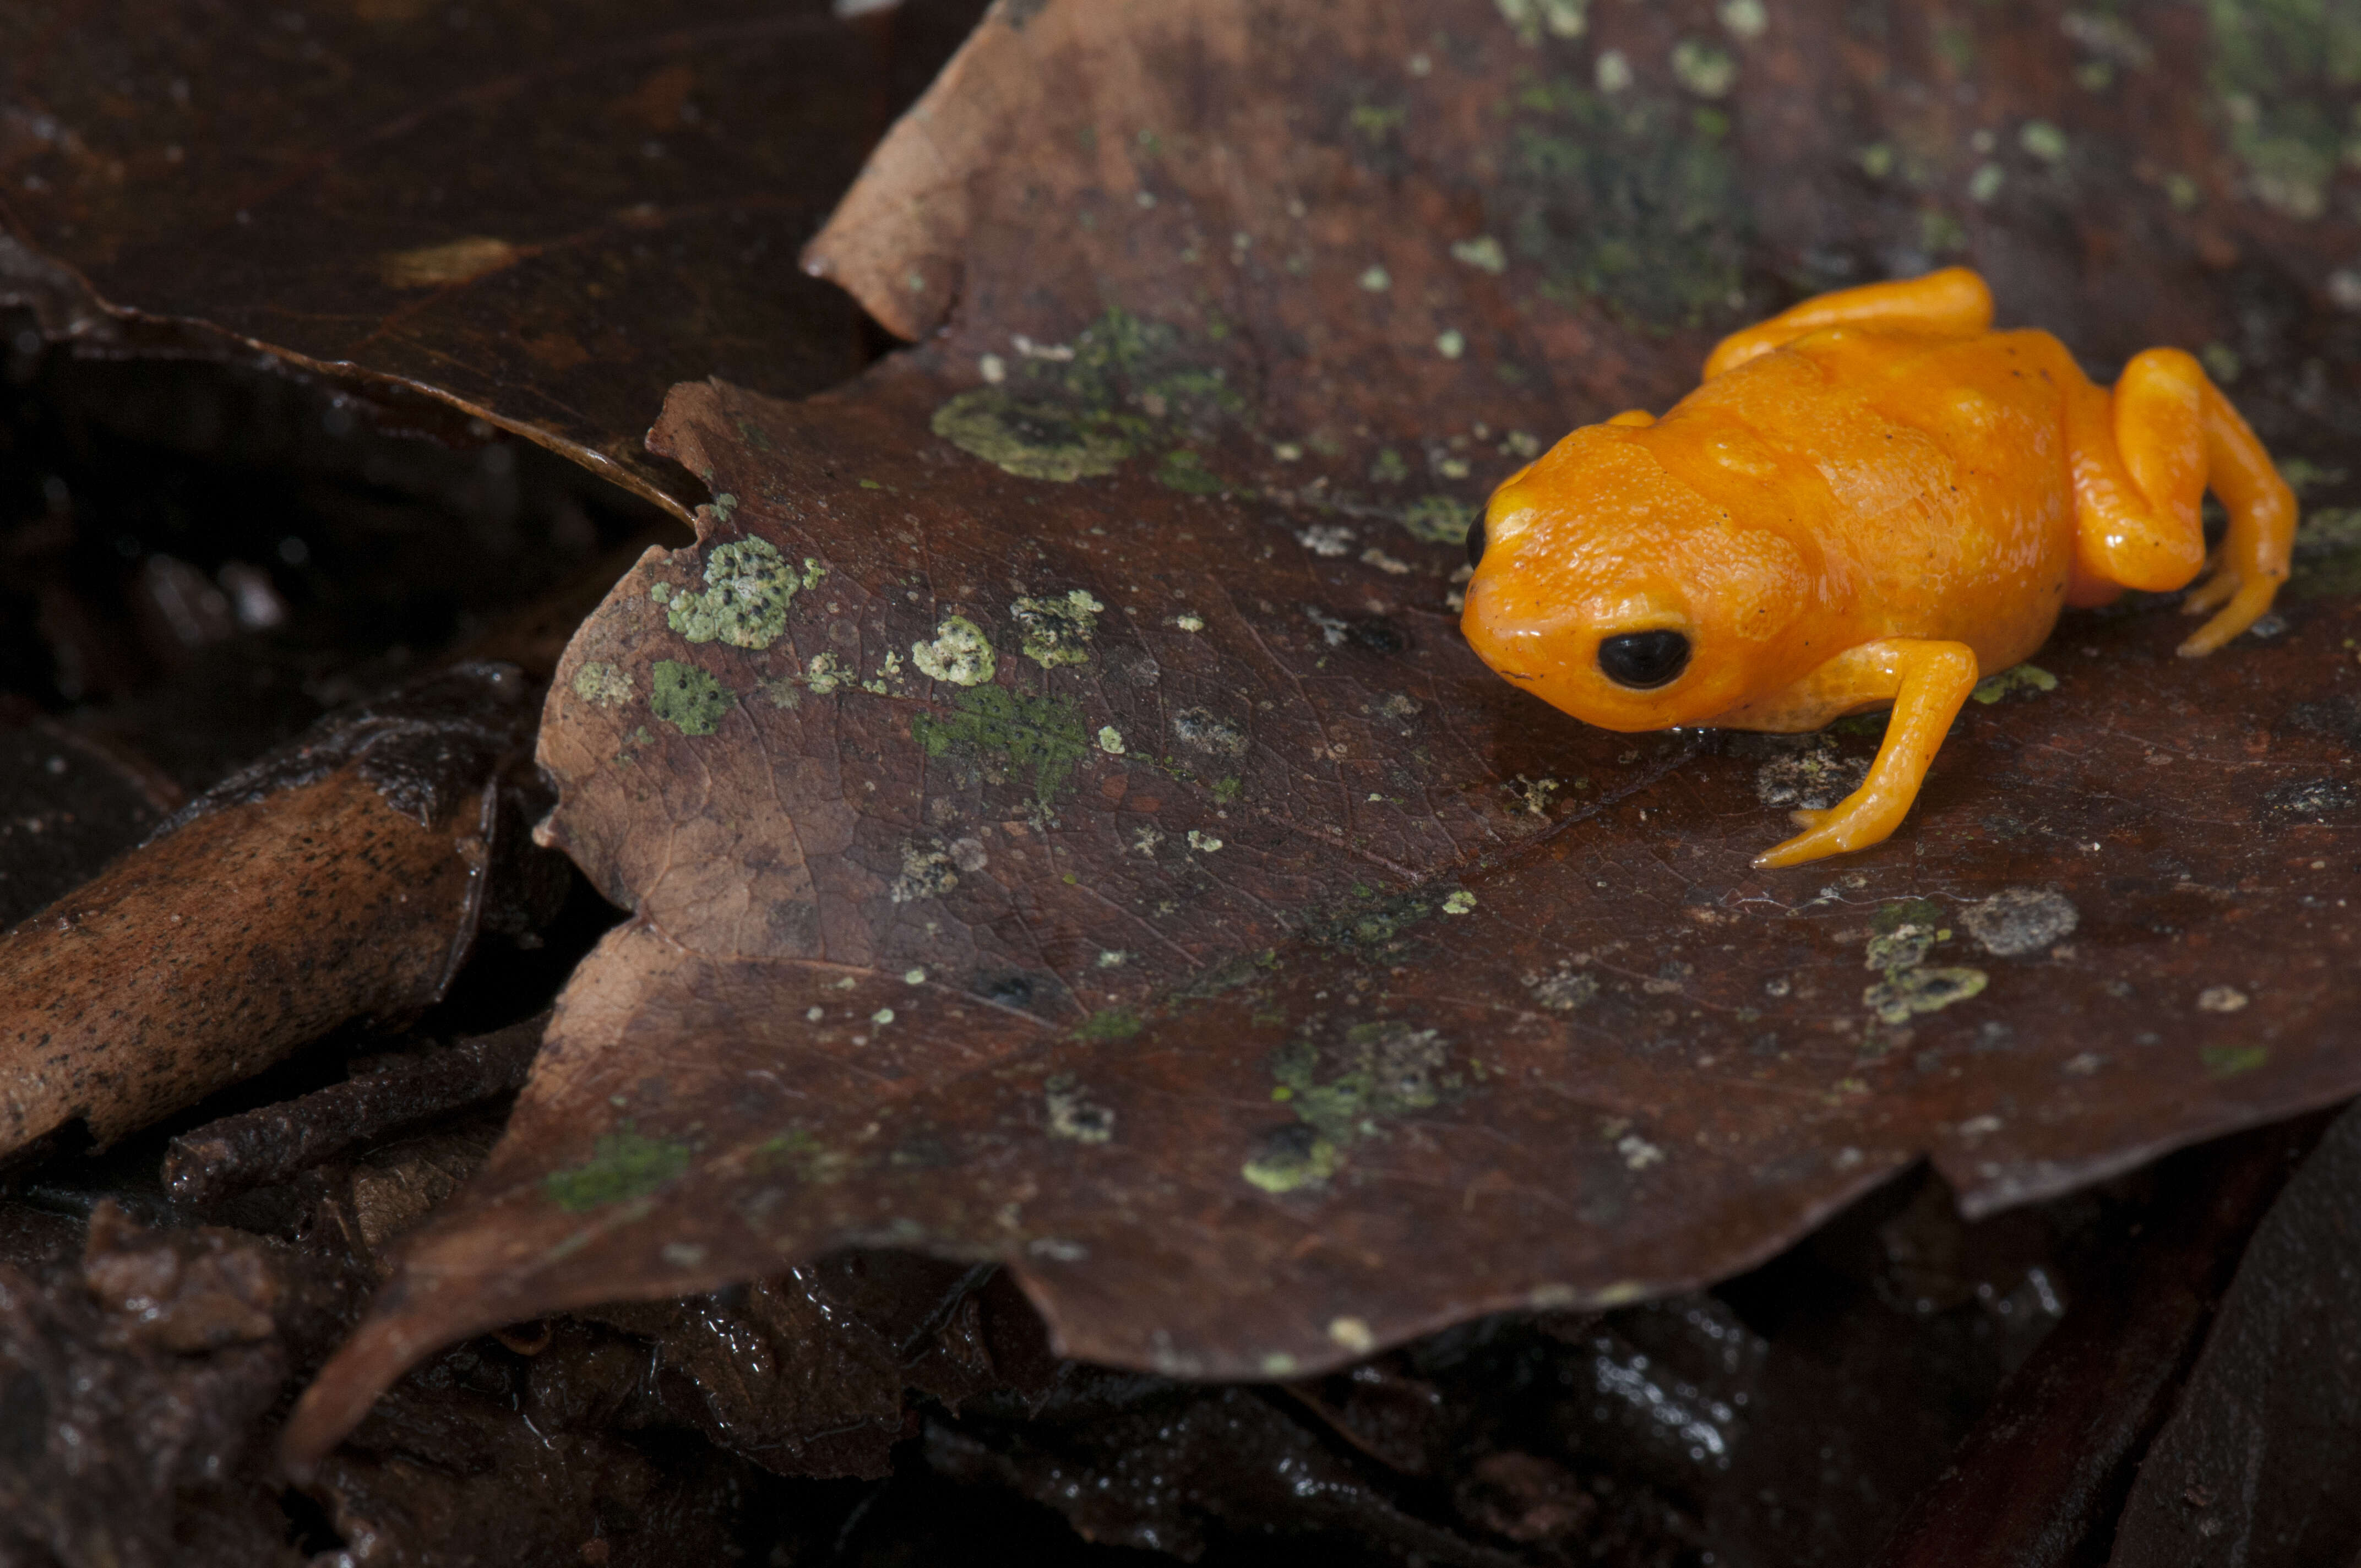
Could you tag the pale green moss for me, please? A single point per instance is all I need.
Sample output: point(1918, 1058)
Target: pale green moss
point(744, 601)
point(603, 685)
point(688, 698)
point(1057, 629)
point(623, 1166)
point(960, 653)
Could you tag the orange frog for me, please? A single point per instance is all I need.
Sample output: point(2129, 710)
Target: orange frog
point(1873, 499)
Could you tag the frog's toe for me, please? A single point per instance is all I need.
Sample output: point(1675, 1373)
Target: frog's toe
point(2210, 595)
point(1806, 817)
point(1795, 852)
point(2246, 608)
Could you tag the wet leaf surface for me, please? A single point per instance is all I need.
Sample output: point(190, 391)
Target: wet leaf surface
point(1064, 827)
point(545, 214)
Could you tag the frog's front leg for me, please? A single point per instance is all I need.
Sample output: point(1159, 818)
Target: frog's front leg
point(1926, 681)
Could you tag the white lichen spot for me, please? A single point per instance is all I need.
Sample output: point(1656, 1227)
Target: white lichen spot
point(1702, 68)
point(1459, 902)
point(914, 975)
point(1071, 1113)
point(968, 854)
point(1392, 565)
point(1279, 1363)
point(882, 1017)
point(1325, 538)
point(825, 673)
point(1189, 621)
point(1483, 253)
point(1351, 1335)
point(1146, 838)
point(1288, 452)
point(1613, 72)
point(1532, 18)
point(1057, 629)
point(1114, 958)
point(1747, 19)
point(2222, 999)
point(2344, 288)
point(2019, 920)
point(1985, 182)
point(814, 1014)
point(683, 1254)
point(1451, 343)
point(1205, 844)
point(1377, 279)
point(1110, 740)
point(1638, 1153)
point(960, 654)
point(1978, 1126)
point(992, 367)
point(925, 872)
point(603, 685)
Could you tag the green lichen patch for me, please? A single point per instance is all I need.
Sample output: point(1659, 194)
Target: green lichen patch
point(2229, 1061)
point(1043, 736)
point(1057, 629)
point(1629, 199)
point(1110, 1023)
point(1291, 1157)
point(1031, 440)
point(2283, 74)
point(744, 601)
point(1908, 991)
point(1185, 471)
point(2327, 557)
point(960, 653)
point(1386, 1070)
point(688, 698)
point(1438, 519)
point(603, 685)
point(2017, 680)
point(1372, 924)
point(801, 1155)
point(1904, 935)
point(825, 674)
point(622, 1165)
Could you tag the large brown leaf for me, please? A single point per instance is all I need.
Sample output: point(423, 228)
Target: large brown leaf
point(1228, 951)
point(544, 214)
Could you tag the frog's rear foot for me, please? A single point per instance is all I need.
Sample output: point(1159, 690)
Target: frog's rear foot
point(2235, 600)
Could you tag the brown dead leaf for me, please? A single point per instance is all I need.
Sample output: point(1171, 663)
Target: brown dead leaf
point(1064, 827)
point(543, 215)
point(340, 877)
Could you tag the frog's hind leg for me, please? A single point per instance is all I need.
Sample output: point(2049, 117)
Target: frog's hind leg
point(2143, 460)
point(1953, 303)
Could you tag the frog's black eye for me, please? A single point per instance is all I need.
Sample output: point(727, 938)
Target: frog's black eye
point(1474, 540)
point(1643, 659)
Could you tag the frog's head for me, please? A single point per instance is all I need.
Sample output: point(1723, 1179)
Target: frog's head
point(1608, 588)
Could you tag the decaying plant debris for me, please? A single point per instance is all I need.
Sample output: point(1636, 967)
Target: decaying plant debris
point(1083, 901)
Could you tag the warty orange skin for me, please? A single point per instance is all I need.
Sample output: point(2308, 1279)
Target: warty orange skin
point(1873, 499)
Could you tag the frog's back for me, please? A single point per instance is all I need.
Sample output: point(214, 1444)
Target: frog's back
point(1928, 476)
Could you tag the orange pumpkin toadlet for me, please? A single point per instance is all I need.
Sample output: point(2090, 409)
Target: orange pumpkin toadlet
point(1873, 499)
